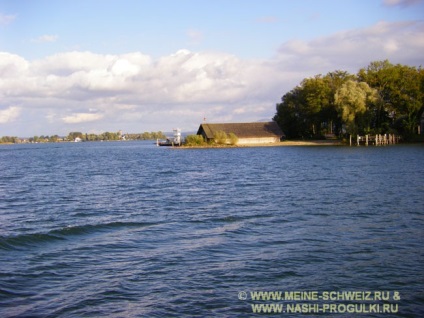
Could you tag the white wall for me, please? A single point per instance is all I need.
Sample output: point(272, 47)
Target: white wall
point(245, 141)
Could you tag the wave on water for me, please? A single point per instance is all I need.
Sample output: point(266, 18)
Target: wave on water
point(35, 239)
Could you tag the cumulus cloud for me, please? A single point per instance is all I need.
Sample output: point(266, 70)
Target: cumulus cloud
point(81, 118)
point(351, 49)
point(135, 92)
point(9, 114)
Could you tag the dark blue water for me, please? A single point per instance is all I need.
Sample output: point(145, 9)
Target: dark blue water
point(131, 230)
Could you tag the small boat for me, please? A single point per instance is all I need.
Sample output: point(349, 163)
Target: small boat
point(174, 141)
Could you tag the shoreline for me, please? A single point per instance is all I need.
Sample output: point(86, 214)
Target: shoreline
point(285, 143)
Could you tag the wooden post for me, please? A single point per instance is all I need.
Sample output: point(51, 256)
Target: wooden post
point(350, 140)
point(366, 140)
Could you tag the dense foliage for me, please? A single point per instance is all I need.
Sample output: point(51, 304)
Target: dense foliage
point(220, 138)
point(382, 98)
point(8, 140)
point(194, 140)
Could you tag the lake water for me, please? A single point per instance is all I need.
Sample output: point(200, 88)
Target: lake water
point(127, 229)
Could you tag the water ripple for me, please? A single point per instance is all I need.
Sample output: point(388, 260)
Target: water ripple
point(131, 230)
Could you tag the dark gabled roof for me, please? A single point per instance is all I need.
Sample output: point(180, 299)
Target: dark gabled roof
point(243, 130)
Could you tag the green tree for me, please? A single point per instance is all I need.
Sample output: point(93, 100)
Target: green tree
point(146, 136)
point(73, 135)
point(401, 93)
point(315, 91)
point(290, 115)
point(407, 98)
point(54, 138)
point(9, 139)
point(233, 138)
point(352, 99)
point(194, 140)
point(380, 75)
point(309, 109)
point(220, 137)
point(330, 114)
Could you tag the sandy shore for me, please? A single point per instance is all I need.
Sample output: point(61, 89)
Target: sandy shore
point(297, 143)
point(277, 144)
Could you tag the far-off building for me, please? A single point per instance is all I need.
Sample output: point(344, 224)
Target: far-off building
point(247, 133)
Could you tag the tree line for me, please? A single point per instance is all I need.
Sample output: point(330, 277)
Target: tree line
point(72, 136)
point(381, 98)
point(107, 136)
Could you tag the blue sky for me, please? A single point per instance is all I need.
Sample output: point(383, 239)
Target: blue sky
point(102, 65)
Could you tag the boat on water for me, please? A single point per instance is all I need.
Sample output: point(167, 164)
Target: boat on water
point(174, 141)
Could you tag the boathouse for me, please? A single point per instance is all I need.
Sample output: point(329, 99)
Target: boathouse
point(247, 133)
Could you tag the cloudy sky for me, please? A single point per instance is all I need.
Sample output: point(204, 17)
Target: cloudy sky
point(148, 65)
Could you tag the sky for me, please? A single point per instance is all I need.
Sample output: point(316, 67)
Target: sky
point(147, 65)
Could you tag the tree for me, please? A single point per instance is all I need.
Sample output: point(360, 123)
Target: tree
point(194, 140)
point(233, 138)
point(288, 116)
point(332, 118)
point(220, 137)
point(54, 138)
point(8, 139)
point(73, 135)
point(316, 92)
point(322, 104)
point(352, 99)
point(407, 98)
point(380, 75)
point(309, 109)
point(401, 93)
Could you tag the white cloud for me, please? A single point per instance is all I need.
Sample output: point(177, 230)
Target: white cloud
point(12, 65)
point(46, 38)
point(9, 114)
point(349, 50)
point(81, 118)
point(6, 19)
point(135, 92)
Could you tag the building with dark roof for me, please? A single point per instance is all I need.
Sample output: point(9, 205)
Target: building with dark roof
point(247, 133)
